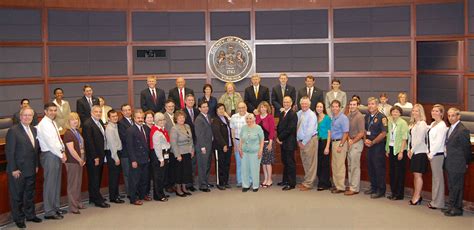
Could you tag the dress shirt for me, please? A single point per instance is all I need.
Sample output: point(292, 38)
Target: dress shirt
point(49, 138)
point(437, 138)
point(450, 131)
point(309, 91)
point(160, 143)
point(416, 141)
point(114, 144)
point(307, 126)
point(339, 126)
point(29, 133)
point(237, 122)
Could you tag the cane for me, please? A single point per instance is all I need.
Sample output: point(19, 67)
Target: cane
point(217, 166)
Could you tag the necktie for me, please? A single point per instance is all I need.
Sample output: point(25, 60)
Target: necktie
point(191, 113)
point(153, 95)
point(30, 135)
point(143, 132)
point(309, 93)
point(256, 92)
point(90, 102)
point(284, 113)
point(181, 99)
point(282, 92)
point(59, 137)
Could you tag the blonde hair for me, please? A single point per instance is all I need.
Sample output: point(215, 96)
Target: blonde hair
point(402, 94)
point(373, 99)
point(151, 77)
point(72, 116)
point(266, 105)
point(229, 84)
point(421, 110)
point(440, 107)
point(255, 75)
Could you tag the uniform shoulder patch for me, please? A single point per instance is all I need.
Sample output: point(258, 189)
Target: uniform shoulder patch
point(384, 121)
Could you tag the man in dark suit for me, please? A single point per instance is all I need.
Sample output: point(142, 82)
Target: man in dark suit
point(315, 94)
point(138, 136)
point(93, 132)
point(21, 151)
point(458, 156)
point(280, 91)
point(152, 98)
point(255, 94)
point(191, 115)
point(123, 125)
point(203, 144)
point(24, 103)
point(85, 103)
point(286, 137)
point(178, 93)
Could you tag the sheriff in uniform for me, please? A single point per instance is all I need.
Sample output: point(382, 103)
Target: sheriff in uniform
point(376, 130)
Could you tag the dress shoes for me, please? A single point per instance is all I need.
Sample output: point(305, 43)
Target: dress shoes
point(192, 189)
point(54, 217)
point(228, 186)
point(62, 212)
point(34, 219)
point(300, 186)
point(20, 224)
point(210, 185)
point(245, 189)
point(336, 191)
point(188, 193)
point(369, 192)
point(137, 202)
point(76, 212)
point(287, 187)
point(170, 190)
point(255, 190)
point(304, 189)
point(282, 183)
point(444, 210)
point(239, 185)
point(377, 195)
point(390, 197)
point(350, 193)
point(147, 198)
point(102, 205)
point(204, 190)
point(220, 187)
point(453, 213)
point(117, 201)
point(180, 194)
point(321, 189)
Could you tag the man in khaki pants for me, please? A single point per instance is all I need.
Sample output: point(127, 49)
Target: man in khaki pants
point(339, 136)
point(306, 135)
point(356, 144)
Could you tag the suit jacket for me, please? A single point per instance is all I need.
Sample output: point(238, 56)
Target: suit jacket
point(204, 139)
point(286, 130)
point(316, 97)
point(138, 146)
point(341, 96)
point(181, 140)
point(146, 100)
point(173, 94)
point(252, 101)
point(83, 108)
point(221, 136)
point(458, 149)
point(123, 125)
point(169, 123)
point(190, 121)
point(93, 139)
point(20, 153)
point(277, 97)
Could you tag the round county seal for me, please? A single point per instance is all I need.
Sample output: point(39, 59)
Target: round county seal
point(230, 59)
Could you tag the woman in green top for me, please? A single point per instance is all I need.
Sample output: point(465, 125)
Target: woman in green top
point(230, 99)
point(251, 150)
point(324, 135)
point(396, 151)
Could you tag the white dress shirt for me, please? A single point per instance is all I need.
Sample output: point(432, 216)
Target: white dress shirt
point(49, 138)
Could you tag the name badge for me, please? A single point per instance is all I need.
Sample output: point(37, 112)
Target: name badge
point(166, 156)
point(368, 133)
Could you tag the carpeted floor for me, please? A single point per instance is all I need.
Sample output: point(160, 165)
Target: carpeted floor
point(267, 209)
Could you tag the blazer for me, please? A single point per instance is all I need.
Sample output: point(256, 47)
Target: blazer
point(20, 153)
point(341, 96)
point(252, 101)
point(277, 97)
point(458, 149)
point(286, 130)
point(123, 125)
point(173, 94)
point(181, 141)
point(138, 147)
point(221, 135)
point(62, 116)
point(83, 108)
point(316, 97)
point(212, 105)
point(146, 100)
point(93, 139)
point(190, 122)
point(204, 139)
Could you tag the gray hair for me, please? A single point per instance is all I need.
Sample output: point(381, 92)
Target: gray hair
point(251, 116)
point(158, 117)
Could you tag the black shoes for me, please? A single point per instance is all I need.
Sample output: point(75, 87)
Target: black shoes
point(369, 192)
point(220, 187)
point(187, 193)
point(377, 195)
point(418, 202)
point(288, 187)
point(228, 186)
point(102, 205)
point(117, 201)
point(20, 224)
point(255, 190)
point(61, 212)
point(452, 213)
point(35, 220)
point(282, 183)
point(204, 190)
point(180, 194)
point(54, 217)
point(245, 189)
point(192, 189)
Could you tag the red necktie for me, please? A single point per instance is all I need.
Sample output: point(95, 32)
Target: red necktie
point(153, 95)
point(181, 100)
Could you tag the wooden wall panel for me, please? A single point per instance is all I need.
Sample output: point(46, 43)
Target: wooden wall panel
point(21, 3)
point(172, 5)
point(230, 6)
point(293, 4)
point(88, 4)
point(435, 1)
point(367, 3)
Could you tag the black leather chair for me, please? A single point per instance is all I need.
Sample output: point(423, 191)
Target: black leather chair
point(5, 124)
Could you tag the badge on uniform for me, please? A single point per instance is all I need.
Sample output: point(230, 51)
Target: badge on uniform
point(375, 120)
point(166, 156)
point(368, 133)
point(384, 121)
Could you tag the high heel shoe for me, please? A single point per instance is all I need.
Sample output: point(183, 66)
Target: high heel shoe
point(181, 195)
point(418, 202)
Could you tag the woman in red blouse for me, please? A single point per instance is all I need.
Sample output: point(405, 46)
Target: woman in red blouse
point(267, 122)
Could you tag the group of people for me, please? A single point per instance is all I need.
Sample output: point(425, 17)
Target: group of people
point(160, 146)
